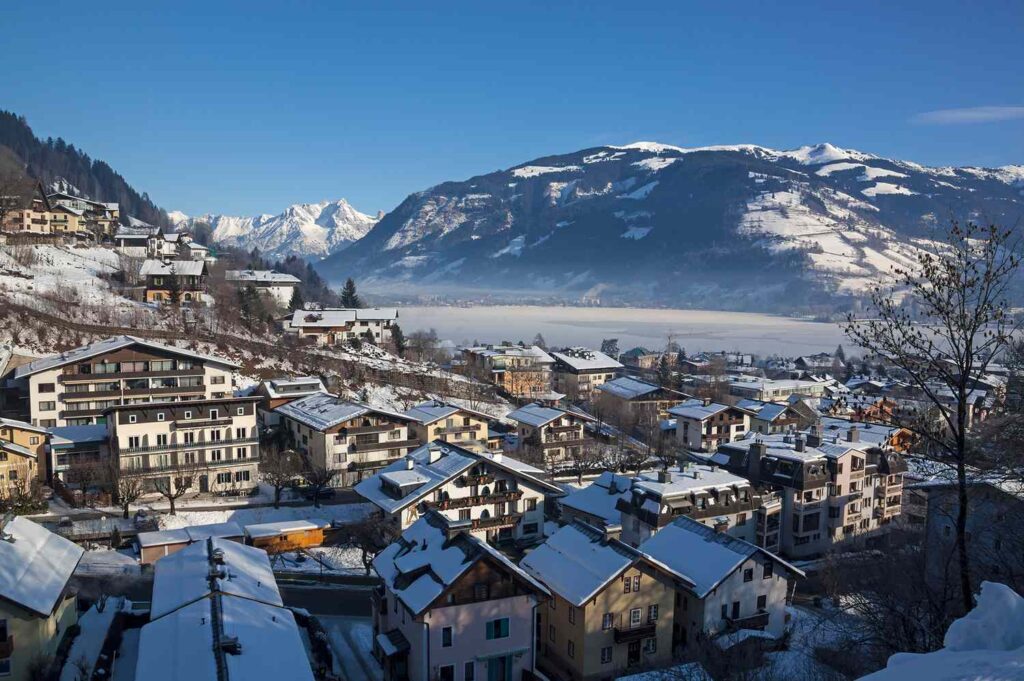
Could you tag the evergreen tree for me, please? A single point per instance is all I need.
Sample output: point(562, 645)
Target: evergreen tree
point(297, 301)
point(840, 354)
point(398, 340)
point(610, 347)
point(349, 297)
point(538, 340)
point(665, 371)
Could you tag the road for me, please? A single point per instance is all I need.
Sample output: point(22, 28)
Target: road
point(352, 601)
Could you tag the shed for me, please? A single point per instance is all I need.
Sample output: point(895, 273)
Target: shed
point(287, 535)
point(155, 545)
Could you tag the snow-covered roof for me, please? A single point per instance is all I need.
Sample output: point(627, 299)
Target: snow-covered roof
point(784, 446)
point(599, 498)
point(321, 411)
point(189, 268)
point(628, 388)
point(577, 561)
point(537, 415)
point(261, 277)
point(694, 477)
point(293, 387)
point(584, 359)
point(21, 425)
point(35, 564)
point(534, 352)
point(103, 346)
point(183, 645)
point(765, 411)
point(435, 410)
point(702, 554)
point(425, 476)
point(689, 671)
point(697, 409)
point(262, 530)
point(233, 568)
point(424, 562)
point(68, 436)
point(332, 317)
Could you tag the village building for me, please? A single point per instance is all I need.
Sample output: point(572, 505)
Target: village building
point(96, 217)
point(37, 608)
point(702, 425)
point(830, 491)
point(133, 241)
point(158, 544)
point(524, 372)
point(770, 390)
point(23, 456)
point(437, 420)
point(280, 287)
point(275, 392)
point(75, 446)
point(75, 387)
point(597, 504)
point(554, 436)
point(217, 613)
point(730, 584)
point(174, 281)
point(640, 401)
point(28, 214)
point(452, 608)
point(772, 417)
point(205, 445)
point(611, 607)
point(706, 493)
point(490, 495)
point(579, 371)
point(353, 439)
point(640, 358)
point(337, 326)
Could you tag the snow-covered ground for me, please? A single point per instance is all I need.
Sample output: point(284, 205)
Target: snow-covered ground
point(342, 513)
point(106, 562)
point(352, 642)
point(127, 657)
point(89, 642)
point(327, 560)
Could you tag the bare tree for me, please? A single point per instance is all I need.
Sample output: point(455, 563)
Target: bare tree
point(125, 487)
point(317, 478)
point(584, 458)
point(177, 483)
point(372, 535)
point(960, 297)
point(279, 468)
point(88, 476)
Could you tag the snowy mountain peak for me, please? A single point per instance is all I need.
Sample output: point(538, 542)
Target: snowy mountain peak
point(313, 230)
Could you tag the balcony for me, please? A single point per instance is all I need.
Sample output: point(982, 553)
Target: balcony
point(564, 429)
point(482, 479)
point(627, 634)
point(478, 500)
point(451, 430)
point(854, 496)
point(198, 468)
point(363, 430)
point(200, 423)
point(72, 378)
point(136, 392)
point(549, 443)
point(7, 647)
point(377, 446)
point(758, 620)
point(371, 464)
point(190, 446)
point(508, 520)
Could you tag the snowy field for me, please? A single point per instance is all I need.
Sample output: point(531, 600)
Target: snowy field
point(695, 330)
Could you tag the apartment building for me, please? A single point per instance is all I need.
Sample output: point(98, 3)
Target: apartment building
point(706, 493)
point(23, 456)
point(597, 504)
point(353, 439)
point(278, 286)
point(72, 446)
point(702, 425)
point(75, 387)
point(275, 392)
point(830, 491)
point(771, 390)
point(28, 213)
point(630, 398)
point(522, 372)
point(97, 217)
point(772, 417)
point(490, 495)
point(452, 608)
point(436, 420)
point(611, 608)
point(336, 326)
point(729, 585)
point(555, 434)
point(37, 607)
point(174, 281)
point(208, 445)
point(579, 371)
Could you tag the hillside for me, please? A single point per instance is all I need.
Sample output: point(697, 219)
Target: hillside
point(312, 230)
point(742, 227)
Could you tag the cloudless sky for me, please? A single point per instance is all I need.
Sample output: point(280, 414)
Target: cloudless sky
point(247, 107)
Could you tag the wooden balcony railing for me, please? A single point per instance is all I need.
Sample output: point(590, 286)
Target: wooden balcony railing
point(508, 520)
point(641, 631)
point(758, 620)
point(478, 500)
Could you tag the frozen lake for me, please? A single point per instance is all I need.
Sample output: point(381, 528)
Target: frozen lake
point(695, 330)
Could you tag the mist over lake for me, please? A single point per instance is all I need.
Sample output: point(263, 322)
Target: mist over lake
point(695, 330)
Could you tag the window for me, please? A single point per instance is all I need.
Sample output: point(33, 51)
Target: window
point(530, 528)
point(190, 438)
point(607, 620)
point(606, 655)
point(219, 380)
point(464, 514)
point(748, 575)
point(551, 632)
point(636, 582)
point(34, 440)
point(635, 615)
point(767, 570)
point(626, 585)
point(216, 455)
point(47, 406)
point(224, 478)
point(161, 439)
point(241, 476)
point(571, 649)
point(762, 602)
point(469, 672)
point(241, 452)
point(161, 416)
point(134, 442)
point(497, 628)
point(741, 519)
point(650, 646)
point(652, 613)
point(446, 637)
point(188, 414)
point(132, 418)
point(240, 411)
point(572, 614)
point(46, 387)
point(531, 504)
point(446, 673)
point(725, 611)
point(240, 433)
point(735, 610)
point(395, 435)
point(214, 414)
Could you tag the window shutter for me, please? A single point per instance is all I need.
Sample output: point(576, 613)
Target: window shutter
point(490, 630)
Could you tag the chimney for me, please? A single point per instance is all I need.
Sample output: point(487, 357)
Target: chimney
point(231, 645)
point(757, 450)
point(409, 462)
point(799, 444)
point(434, 454)
point(814, 437)
point(496, 457)
point(721, 526)
point(697, 474)
point(665, 476)
point(853, 435)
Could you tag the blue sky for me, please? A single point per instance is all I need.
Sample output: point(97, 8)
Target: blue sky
point(244, 108)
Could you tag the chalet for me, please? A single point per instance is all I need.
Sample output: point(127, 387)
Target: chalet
point(336, 326)
point(437, 420)
point(772, 417)
point(640, 358)
point(579, 371)
point(97, 217)
point(521, 371)
point(770, 390)
point(23, 456)
point(174, 281)
point(280, 287)
point(490, 495)
point(556, 435)
point(627, 397)
point(702, 425)
point(597, 504)
point(29, 213)
point(72, 446)
point(451, 607)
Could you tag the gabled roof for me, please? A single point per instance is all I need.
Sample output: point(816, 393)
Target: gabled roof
point(600, 498)
point(584, 359)
point(261, 277)
point(322, 411)
point(421, 565)
point(188, 268)
point(701, 554)
point(186, 576)
point(103, 346)
point(21, 425)
point(765, 411)
point(332, 317)
point(432, 411)
point(698, 410)
point(537, 415)
point(35, 564)
point(632, 388)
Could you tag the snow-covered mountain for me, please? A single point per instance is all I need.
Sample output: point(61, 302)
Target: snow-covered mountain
point(313, 230)
point(740, 226)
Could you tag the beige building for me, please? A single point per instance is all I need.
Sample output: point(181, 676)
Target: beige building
point(556, 434)
point(702, 425)
point(36, 606)
point(167, 279)
point(23, 456)
point(437, 420)
point(627, 398)
point(337, 326)
point(490, 495)
point(611, 610)
point(770, 390)
point(211, 444)
point(95, 217)
point(521, 371)
point(353, 439)
point(28, 213)
point(75, 387)
point(579, 371)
